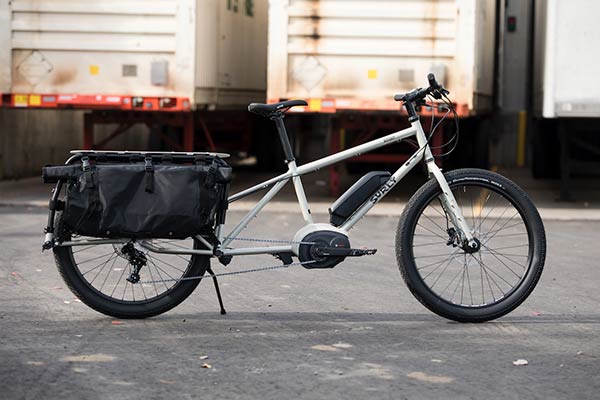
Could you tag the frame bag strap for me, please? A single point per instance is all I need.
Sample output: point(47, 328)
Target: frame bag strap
point(87, 173)
point(211, 174)
point(88, 185)
point(149, 175)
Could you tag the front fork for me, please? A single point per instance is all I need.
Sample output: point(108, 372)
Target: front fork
point(451, 206)
point(447, 198)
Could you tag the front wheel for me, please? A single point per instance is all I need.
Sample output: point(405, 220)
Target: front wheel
point(471, 286)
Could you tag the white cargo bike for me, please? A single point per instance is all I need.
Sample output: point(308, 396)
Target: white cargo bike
point(470, 244)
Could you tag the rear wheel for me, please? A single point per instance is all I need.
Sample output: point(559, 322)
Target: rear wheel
point(97, 275)
point(463, 285)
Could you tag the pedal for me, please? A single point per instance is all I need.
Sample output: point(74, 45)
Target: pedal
point(341, 252)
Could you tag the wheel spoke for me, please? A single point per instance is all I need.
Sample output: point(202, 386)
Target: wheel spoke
point(108, 273)
point(469, 283)
point(95, 258)
point(159, 275)
point(449, 283)
point(488, 238)
point(170, 265)
point(428, 244)
point(433, 255)
point(84, 248)
point(117, 282)
point(102, 269)
point(429, 230)
point(99, 265)
point(503, 263)
point(435, 223)
point(439, 262)
point(442, 273)
point(492, 271)
point(495, 253)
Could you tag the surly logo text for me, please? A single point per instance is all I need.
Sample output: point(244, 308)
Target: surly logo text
point(383, 190)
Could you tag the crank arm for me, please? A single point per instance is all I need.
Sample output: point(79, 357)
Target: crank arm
point(341, 252)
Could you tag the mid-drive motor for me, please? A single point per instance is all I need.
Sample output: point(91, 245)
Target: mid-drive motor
point(322, 240)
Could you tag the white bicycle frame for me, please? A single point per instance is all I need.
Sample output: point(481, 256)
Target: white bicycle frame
point(295, 172)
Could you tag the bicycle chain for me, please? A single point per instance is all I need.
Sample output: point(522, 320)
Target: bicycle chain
point(190, 278)
point(245, 271)
point(267, 240)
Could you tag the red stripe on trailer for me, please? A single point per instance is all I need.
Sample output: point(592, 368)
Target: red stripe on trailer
point(330, 106)
point(95, 102)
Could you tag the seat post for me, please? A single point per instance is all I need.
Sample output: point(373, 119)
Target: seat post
point(283, 137)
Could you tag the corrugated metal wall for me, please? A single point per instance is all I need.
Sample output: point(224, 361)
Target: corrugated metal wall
point(80, 46)
point(107, 25)
point(367, 49)
point(358, 48)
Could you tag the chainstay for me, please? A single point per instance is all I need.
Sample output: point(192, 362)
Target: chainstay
point(266, 240)
point(245, 271)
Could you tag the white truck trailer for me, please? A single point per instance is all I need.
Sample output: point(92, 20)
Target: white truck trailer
point(352, 56)
point(566, 89)
point(356, 54)
point(160, 56)
point(566, 84)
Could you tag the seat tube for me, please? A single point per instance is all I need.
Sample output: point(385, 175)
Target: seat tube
point(283, 137)
point(300, 193)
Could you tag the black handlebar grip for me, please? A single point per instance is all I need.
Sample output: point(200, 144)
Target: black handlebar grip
point(399, 97)
point(432, 82)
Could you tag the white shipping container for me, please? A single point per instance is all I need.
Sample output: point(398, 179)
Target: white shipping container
point(566, 56)
point(359, 53)
point(210, 51)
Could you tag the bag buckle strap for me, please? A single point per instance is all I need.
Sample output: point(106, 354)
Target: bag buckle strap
point(85, 163)
point(149, 174)
point(88, 178)
point(211, 174)
point(148, 164)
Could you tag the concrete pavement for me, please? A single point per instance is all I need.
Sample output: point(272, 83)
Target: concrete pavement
point(353, 332)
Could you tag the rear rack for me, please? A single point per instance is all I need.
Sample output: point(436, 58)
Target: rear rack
point(156, 156)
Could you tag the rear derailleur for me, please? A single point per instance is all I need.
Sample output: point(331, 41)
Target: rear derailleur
point(136, 258)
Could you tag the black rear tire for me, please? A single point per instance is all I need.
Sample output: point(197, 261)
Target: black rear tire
point(118, 308)
point(487, 184)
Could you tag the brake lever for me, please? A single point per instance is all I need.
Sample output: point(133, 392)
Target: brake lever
point(439, 93)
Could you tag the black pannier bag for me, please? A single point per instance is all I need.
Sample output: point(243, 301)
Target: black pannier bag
point(142, 199)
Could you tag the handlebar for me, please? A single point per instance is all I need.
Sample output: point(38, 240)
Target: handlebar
point(435, 89)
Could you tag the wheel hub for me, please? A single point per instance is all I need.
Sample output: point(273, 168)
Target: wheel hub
point(472, 247)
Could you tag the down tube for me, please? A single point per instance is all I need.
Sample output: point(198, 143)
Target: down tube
point(393, 181)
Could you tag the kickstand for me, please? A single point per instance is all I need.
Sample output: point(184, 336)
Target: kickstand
point(210, 271)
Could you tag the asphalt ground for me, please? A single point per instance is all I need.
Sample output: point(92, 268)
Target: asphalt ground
point(351, 332)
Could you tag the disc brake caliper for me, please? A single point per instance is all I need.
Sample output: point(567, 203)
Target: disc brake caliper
point(136, 258)
point(453, 237)
point(468, 247)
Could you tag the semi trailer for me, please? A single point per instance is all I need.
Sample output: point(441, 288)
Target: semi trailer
point(190, 65)
point(348, 58)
